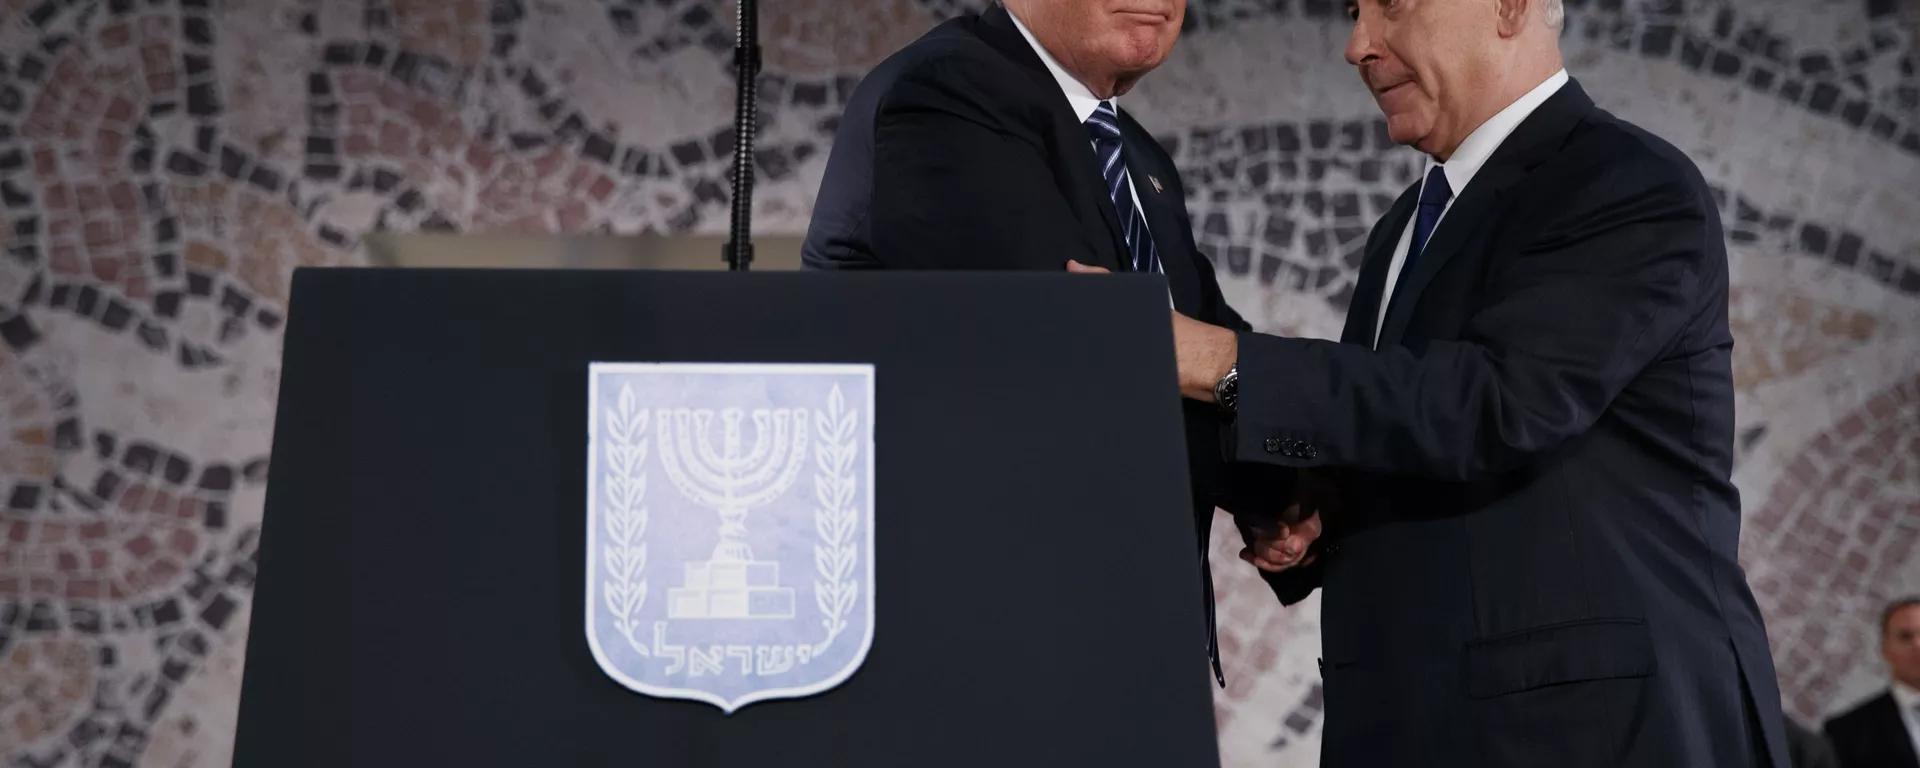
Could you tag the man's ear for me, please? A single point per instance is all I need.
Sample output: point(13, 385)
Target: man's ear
point(1513, 16)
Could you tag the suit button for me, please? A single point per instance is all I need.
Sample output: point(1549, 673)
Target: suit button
point(1273, 445)
point(1288, 450)
point(1309, 452)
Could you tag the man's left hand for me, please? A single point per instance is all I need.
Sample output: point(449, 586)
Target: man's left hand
point(1202, 352)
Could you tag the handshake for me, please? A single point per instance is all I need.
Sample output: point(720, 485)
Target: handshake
point(1288, 542)
point(1203, 353)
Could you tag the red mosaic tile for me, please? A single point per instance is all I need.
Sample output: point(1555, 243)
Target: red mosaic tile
point(115, 36)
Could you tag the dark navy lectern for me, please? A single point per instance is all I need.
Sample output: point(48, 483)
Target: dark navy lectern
point(423, 595)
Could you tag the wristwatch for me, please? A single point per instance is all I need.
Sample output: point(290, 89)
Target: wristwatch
point(1226, 391)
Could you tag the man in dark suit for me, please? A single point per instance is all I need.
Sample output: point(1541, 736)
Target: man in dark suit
point(1884, 732)
point(994, 142)
point(1529, 417)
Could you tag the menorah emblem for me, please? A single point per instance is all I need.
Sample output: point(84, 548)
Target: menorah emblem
point(732, 585)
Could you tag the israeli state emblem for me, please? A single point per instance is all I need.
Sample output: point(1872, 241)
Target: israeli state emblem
point(730, 528)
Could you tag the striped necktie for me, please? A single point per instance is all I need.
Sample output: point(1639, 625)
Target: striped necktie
point(1104, 127)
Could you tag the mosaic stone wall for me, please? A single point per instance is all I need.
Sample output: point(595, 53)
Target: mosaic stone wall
point(164, 164)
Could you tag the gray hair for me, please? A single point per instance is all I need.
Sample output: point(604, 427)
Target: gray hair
point(1556, 14)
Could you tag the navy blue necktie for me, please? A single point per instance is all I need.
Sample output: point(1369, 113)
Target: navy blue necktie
point(1104, 127)
point(1433, 201)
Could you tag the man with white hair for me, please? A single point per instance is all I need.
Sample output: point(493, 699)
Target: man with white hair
point(1529, 423)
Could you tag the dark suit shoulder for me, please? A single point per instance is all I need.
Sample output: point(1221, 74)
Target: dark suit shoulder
point(954, 72)
point(1862, 716)
point(1629, 159)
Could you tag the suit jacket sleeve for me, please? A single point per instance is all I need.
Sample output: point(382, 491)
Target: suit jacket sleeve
point(960, 179)
point(1567, 322)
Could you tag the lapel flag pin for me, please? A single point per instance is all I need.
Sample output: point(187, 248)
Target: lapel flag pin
point(1156, 183)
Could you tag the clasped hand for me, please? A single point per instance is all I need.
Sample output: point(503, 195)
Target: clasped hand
point(1204, 353)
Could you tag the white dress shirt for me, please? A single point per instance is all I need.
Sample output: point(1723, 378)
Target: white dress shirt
point(1083, 102)
point(1908, 700)
point(1459, 170)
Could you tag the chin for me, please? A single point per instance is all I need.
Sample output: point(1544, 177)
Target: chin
point(1408, 130)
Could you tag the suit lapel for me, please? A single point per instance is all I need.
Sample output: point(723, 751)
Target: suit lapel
point(1162, 208)
point(1075, 170)
point(1364, 310)
point(1538, 138)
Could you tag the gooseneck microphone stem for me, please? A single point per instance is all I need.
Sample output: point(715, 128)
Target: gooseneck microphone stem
point(746, 75)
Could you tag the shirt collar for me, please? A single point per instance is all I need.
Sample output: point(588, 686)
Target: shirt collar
point(1905, 696)
point(1079, 96)
point(1480, 145)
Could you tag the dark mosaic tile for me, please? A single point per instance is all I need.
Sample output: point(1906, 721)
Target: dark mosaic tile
point(1792, 90)
point(1726, 64)
point(197, 66)
point(217, 477)
point(1910, 280)
point(1320, 134)
point(117, 317)
point(43, 13)
point(1346, 205)
point(599, 148)
point(87, 300)
point(24, 496)
point(1693, 52)
point(1825, 96)
point(176, 469)
point(1813, 239)
point(773, 163)
point(185, 165)
point(32, 67)
point(687, 154)
point(1269, 268)
point(1287, 138)
point(41, 618)
point(337, 54)
point(329, 235)
point(18, 332)
point(1239, 259)
point(153, 336)
point(218, 611)
point(198, 30)
point(1855, 113)
point(323, 171)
